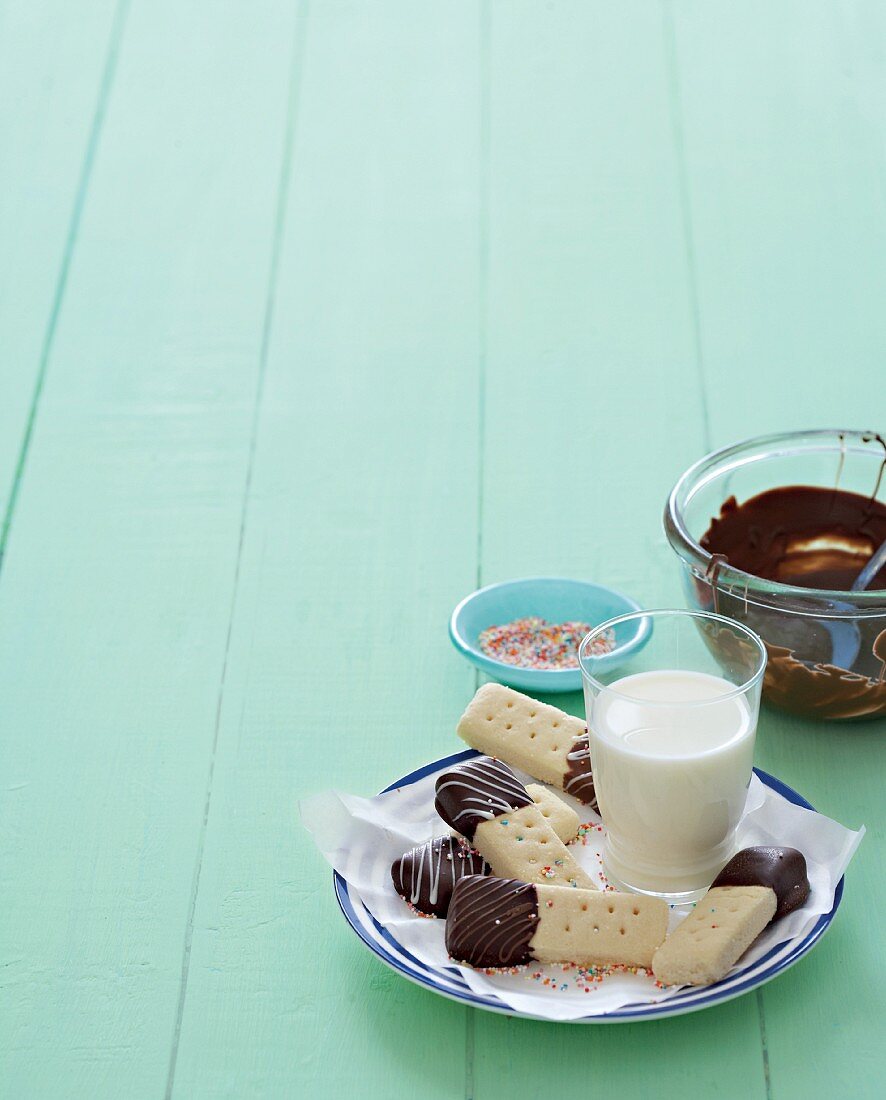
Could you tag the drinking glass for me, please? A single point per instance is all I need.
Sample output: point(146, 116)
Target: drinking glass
point(671, 730)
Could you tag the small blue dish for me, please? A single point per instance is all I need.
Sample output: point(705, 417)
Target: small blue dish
point(556, 599)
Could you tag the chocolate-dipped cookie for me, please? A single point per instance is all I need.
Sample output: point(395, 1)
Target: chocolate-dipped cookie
point(483, 799)
point(781, 869)
point(718, 931)
point(578, 779)
point(492, 921)
point(495, 922)
point(477, 791)
point(425, 876)
point(539, 739)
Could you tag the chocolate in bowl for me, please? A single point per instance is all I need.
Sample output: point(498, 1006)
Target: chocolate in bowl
point(772, 532)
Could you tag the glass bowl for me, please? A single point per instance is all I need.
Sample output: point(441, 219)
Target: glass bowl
point(827, 648)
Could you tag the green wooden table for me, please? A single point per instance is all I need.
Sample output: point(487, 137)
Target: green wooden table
point(312, 318)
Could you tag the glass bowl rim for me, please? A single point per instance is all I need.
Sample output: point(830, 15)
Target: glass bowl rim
point(863, 603)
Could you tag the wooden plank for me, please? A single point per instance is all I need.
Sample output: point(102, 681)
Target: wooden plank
point(55, 62)
point(593, 401)
point(117, 584)
point(359, 540)
point(786, 164)
point(785, 156)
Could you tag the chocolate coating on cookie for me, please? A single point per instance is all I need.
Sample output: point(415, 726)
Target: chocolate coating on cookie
point(781, 869)
point(492, 921)
point(578, 780)
point(425, 876)
point(477, 791)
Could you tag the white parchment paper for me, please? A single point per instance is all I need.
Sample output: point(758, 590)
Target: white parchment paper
point(361, 838)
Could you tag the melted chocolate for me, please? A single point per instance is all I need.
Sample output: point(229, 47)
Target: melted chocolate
point(781, 869)
point(823, 689)
point(492, 921)
point(578, 780)
point(426, 876)
point(803, 535)
point(477, 791)
point(822, 662)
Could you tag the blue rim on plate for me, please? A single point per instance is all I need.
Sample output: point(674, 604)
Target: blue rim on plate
point(557, 599)
point(448, 982)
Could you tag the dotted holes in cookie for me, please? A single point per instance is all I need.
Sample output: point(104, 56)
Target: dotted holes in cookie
point(510, 705)
point(611, 909)
point(566, 929)
point(555, 724)
point(636, 912)
point(621, 931)
point(584, 907)
point(488, 717)
point(532, 714)
point(507, 725)
point(532, 736)
point(554, 748)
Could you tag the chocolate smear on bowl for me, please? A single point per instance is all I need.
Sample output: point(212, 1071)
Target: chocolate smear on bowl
point(823, 655)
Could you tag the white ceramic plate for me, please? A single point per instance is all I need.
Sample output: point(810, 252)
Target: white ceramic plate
point(448, 982)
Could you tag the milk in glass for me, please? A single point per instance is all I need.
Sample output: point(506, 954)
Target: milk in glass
point(671, 752)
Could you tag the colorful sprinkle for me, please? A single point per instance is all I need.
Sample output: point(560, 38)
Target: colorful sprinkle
point(585, 830)
point(536, 643)
point(587, 979)
point(418, 912)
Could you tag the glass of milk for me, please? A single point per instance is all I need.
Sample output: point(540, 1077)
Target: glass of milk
point(671, 728)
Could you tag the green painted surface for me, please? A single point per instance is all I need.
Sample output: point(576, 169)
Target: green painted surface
point(55, 61)
point(311, 318)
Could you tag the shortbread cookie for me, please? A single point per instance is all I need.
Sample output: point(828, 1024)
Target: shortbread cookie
point(714, 936)
point(521, 844)
point(782, 869)
point(425, 876)
point(502, 922)
point(541, 740)
point(561, 818)
point(488, 804)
